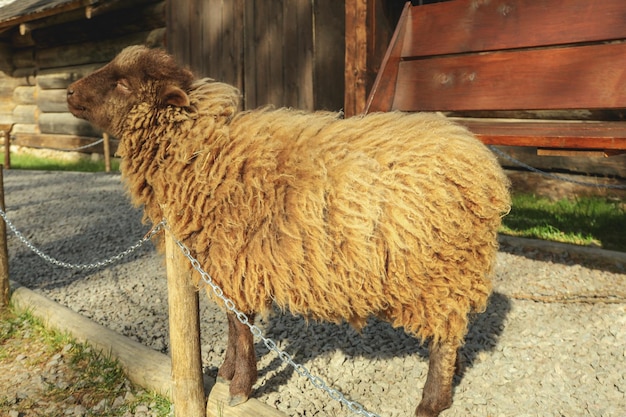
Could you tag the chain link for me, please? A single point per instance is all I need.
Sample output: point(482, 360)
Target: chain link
point(80, 267)
point(79, 148)
point(353, 406)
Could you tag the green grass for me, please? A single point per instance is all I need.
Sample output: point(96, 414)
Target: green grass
point(89, 377)
point(593, 221)
point(32, 162)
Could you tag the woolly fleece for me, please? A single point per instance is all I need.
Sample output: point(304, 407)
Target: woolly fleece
point(389, 214)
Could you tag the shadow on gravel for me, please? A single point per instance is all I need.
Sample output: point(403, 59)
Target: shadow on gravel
point(71, 220)
point(567, 254)
point(377, 341)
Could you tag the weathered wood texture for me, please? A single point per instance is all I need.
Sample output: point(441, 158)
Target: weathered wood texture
point(369, 26)
point(184, 320)
point(143, 366)
point(613, 167)
point(219, 396)
point(518, 56)
point(62, 77)
point(146, 367)
point(280, 52)
point(588, 77)
point(48, 53)
point(4, 253)
point(25, 94)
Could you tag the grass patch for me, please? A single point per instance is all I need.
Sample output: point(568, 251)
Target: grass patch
point(34, 162)
point(591, 221)
point(88, 380)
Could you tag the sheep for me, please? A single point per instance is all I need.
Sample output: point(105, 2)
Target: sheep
point(392, 215)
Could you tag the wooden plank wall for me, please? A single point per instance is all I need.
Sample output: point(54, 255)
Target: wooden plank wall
point(369, 27)
point(41, 58)
point(279, 52)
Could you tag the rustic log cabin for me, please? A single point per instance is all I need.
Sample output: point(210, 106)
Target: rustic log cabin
point(278, 52)
point(44, 46)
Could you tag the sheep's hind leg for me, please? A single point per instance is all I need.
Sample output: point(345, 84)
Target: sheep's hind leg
point(227, 370)
point(437, 393)
point(239, 365)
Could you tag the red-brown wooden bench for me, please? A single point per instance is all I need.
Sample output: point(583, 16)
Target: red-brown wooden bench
point(547, 74)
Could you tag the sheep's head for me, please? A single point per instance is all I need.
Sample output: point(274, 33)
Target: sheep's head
point(137, 75)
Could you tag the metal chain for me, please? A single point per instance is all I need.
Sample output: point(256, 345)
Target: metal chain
point(318, 382)
point(80, 267)
point(89, 145)
point(553, 176)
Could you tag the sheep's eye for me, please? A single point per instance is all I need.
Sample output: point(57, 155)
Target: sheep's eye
point(122, 85)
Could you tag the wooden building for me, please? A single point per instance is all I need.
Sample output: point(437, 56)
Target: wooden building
point(44, 46)
point(279, 52)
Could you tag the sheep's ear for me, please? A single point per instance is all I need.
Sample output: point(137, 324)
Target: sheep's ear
point(175, 96)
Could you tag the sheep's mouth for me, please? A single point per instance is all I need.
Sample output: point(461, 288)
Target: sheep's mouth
point(77, 110)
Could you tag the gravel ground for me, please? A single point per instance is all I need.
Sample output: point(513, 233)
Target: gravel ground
point(552, 342)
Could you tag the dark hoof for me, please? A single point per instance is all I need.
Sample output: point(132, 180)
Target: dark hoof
point(234, 401)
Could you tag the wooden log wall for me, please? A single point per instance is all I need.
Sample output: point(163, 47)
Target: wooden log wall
point(42, 57)
point(279, 52)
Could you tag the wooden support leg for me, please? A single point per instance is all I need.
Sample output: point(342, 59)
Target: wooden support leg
point(4, 256)
point(188, 388)
point(106, 145)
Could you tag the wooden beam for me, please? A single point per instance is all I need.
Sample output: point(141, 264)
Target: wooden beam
point(44, 12)
point(219, 396)
point(479, 26)
point(4, 253)
point(184, 319)
point(549, 134)
point(577, 77)
point(384, 88)
point(143, 366)
point(356, 57)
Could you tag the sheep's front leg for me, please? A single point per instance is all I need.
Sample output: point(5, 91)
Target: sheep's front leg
point(437, 394)
point(239, 365)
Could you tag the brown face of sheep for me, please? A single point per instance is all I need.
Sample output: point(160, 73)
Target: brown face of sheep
point(137, 75)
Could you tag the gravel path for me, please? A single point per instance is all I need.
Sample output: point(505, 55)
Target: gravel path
point(552, 342)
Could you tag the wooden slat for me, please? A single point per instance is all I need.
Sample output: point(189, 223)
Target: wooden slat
point(356, 57)
point(298, 54)
point(177, 15)
point(470, 25)
point(226, 42)
point(329, 66)
point(589, 77)
point(267, 46)
point(550, 134)
point(38, 11)
point(384, 88)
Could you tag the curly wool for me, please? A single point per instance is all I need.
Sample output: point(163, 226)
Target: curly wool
point(389, 214)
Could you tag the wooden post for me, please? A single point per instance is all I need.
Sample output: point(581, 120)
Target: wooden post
point(106, 144)
point(356, 57)
point(184, 317)
point(4, 255)
point(5, 132)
